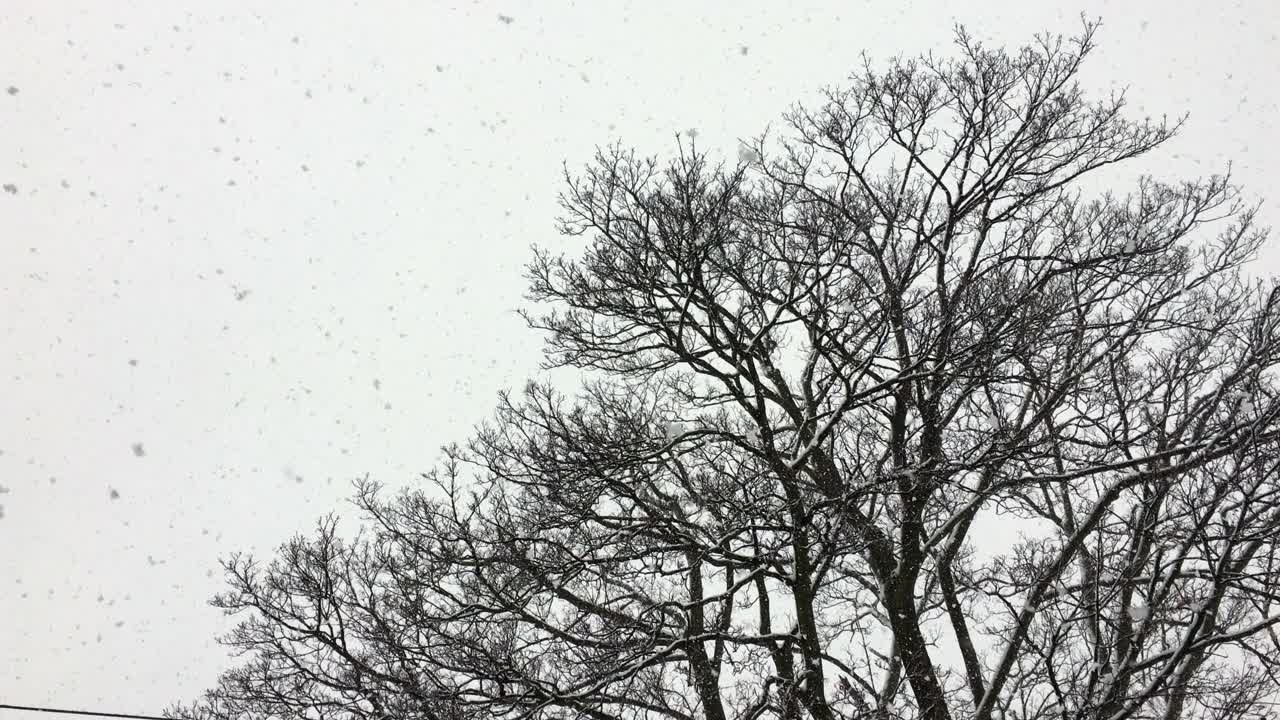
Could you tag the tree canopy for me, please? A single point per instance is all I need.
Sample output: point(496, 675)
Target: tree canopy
point(888, 417)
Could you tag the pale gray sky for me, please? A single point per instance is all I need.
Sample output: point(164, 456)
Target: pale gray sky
point(258, 249)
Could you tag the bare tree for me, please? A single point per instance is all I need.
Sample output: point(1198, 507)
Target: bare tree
point(824, 386)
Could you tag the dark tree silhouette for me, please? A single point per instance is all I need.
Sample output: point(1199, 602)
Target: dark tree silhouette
point(825, 388)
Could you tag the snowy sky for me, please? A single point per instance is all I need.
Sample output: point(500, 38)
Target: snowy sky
point(250, 253)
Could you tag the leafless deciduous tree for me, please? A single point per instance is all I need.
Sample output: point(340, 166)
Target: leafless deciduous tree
point(825, 386)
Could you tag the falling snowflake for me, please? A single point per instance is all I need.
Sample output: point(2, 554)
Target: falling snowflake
point(675, 430)
point(747, 154)
point(11, 188)
point(1139, 612)
point(1131, 245)
point(12, 90)
point(506, 19)
point(115, 494)
point(138, 451)
point(692, 133)
point(743, 49)
point(753, 435)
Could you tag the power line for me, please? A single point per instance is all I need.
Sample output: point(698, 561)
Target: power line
point(80, 712)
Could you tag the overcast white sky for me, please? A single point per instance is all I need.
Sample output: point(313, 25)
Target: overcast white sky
point(255, 250)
